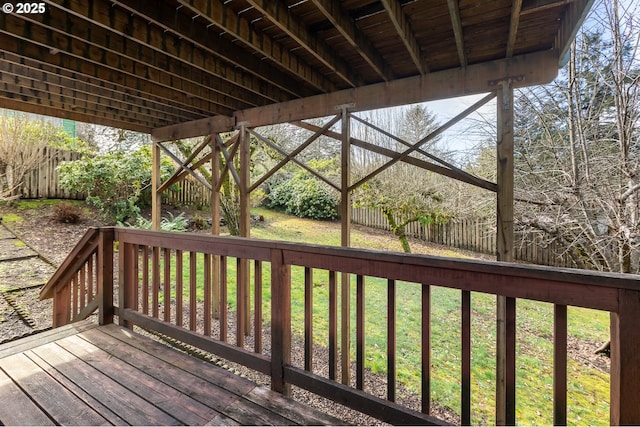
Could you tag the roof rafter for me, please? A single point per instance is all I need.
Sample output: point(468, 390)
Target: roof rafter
point(332, 10)
point(197, 33)
point(279, 14)
point(456, 22)
point(228, 21)
point(138, 40)
point(513, 26)
point(404, 30)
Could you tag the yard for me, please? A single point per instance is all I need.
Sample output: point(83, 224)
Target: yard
point(35, 224)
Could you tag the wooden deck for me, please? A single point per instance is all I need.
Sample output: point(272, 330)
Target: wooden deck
point(83, 374)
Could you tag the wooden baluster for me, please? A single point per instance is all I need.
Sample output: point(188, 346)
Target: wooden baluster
point(465, 413)
point(207, 294)
point(223, 298)
point(241, 285)
point(360, 329)
point(166, 284)
point(179, 288)
point(104, 276)
point(308, 319)
point(83, 287)
point(333, 324)
point(128, 283)
point(136, 275)
point(391, 340)
point(90, 280)
point(560, 365)
point(145, 279)
point(75, 295)
point(426, 349)
point(258, 306)
point(155, 281)
point(193, 276)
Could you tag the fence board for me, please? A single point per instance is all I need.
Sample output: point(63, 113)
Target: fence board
point(43, 182)
point(475, 234)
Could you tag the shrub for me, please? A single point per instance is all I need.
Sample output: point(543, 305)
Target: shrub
point(304, 196)
point(67, 213)
point(117, 183)
point(174, 223)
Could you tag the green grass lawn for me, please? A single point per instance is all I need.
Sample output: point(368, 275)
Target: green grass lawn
point(588, 387)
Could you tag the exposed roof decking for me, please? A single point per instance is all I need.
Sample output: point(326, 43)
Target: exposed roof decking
point(142, 65)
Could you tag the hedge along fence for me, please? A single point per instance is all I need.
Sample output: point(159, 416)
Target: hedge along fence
point(476, 234)
point(43, 182)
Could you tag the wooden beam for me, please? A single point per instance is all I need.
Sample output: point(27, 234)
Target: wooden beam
point(345, 241)
point(572, 20)
point(456, 23)
point(405, 32)
point(335, 13)
point(454, 173)
point(506, 307)
point(156, 196)
point(196, 32)
point(279, 14)
point(210, 125)
point(526, 70)
point(183, 165)
point(223, 17)
point(513, 26)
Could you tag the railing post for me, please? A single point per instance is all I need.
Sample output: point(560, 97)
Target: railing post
point(128, 281)
point(280, 321)
point(62, 306)
point(625, 359)
point(105, 276)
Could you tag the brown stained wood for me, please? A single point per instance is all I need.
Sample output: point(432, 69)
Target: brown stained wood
point(257, 327)
point(179, 287)
point(155, 281)
point(223, 299)
point(129, 406)
point(83, 286)
point(193, 277)
point(104, 273)
point(625, 361)
point(391, 340)
point(207, 294)
point(426, 349)
point(281, 315)
point(465, 399)
point(560, 365)
point(62, 306)
point(75, 294)
point(138, 379)
point(241, 289)
point(24, 344)
point(136, 277)
point(360, 332)
point(58, 402)
point(308, 319)
point(17, 408)
point(166, 283)
point(145, 279)
point(333, 325)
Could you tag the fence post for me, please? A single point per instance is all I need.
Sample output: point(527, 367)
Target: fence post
point(280, 321)
point(625, 359)
point(105, 276)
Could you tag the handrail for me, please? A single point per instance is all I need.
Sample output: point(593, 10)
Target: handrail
point(158, 269)
point(75, 286)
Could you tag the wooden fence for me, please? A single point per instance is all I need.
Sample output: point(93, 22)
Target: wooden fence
point(477, 234)
point(43, 182)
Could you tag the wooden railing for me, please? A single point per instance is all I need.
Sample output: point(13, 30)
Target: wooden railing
point(161, 274)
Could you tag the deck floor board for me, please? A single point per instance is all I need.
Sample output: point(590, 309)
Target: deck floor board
point(88, 375)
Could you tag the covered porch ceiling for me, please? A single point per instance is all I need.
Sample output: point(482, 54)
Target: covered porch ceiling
point(180, 68)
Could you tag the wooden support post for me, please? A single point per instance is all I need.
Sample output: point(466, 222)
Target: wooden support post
point(625, 360)
point(506, 307)
point(215, 220)
point(156, 196)
point(345, 237)
point(280, 321)
point(128, 281)
point(244, 324)
point(105, 277)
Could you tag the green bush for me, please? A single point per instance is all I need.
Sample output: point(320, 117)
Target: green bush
point(302, 195)
point(117, 183)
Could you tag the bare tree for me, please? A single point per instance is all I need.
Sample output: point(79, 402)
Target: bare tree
point(578, 147)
